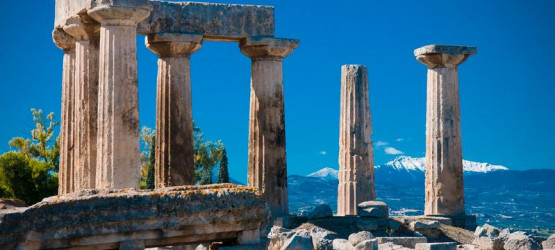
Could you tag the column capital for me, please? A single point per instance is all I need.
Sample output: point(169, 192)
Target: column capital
point(63, 40)
point(82, 27)
point(173, 44)
point(267, 47)
point(443, 56)
point(119, 15)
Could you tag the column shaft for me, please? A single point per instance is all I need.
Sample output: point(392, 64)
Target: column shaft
point(174, 123)
point(444, 162)
point(118, 109)
point(86, 93)
point(356, 168)
point(444, 171)
point(65, 174)
point(267, 164)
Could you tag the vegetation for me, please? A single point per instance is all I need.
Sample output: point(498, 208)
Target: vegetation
point(207, 155)
point(223, 176)
point(30, 171)
point(148, 137)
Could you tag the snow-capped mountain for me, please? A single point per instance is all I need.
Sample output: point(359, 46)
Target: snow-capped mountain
point(325, 173)
point(408, 163)
point(413, 165)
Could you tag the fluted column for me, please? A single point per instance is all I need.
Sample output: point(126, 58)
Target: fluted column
point(356, 157)
point(267, 163)
point(86, 33)
point(444, 166)
point(174, 121)
point(118, 157)
point(65, 168)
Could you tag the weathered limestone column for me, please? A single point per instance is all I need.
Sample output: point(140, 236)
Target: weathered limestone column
point(118, 157)
point(444, 169)
point(86, 33)
point(174, 121)
point(356, 156)
point(267, 164)
point(65, 176)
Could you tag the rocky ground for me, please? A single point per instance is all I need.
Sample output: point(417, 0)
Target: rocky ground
point(319, 229)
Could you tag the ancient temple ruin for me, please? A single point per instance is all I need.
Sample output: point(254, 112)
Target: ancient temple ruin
point(99, 203)
point(99, 156)
point(100, 116)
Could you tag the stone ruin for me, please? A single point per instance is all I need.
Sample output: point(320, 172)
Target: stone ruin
point(444, 168)
point(99, 204)
point(100, 112)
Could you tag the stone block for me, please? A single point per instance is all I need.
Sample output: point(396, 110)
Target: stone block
point(520, 241)
point(424, 224)
point(368, 225)
point(342, 244)
point(374, 209)
point(317, 212)
point(445, 49)
point(212, 20)
point(104, 218)
point(549, 243)
point(409, 242)
point(391, 246)
point(322, 238)
point(367, 245)
point(436, 246)
point(359, 237)
point(298, 241)
point(487, 231)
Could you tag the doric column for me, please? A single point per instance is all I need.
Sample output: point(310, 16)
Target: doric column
point(118, 157)
point(65, 168)
point(267, 164)
point(174, 121)
point(356, 157)
point(86, 33)
point(444, 167)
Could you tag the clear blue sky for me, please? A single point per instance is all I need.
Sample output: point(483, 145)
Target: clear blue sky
point(507, 90)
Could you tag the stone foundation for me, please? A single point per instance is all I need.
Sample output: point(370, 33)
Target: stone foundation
point(163, 217)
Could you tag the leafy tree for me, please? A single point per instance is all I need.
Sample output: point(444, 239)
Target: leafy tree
point(223, 175)
point(206, 155)
point(148, 137)
point(26, 178)
point(40, 146)
point(30, 172)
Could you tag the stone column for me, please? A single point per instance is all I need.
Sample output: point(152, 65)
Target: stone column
point(65, 174)
point(444, 169)
point(86, 33)
point(118, 157)
point(174, 121)
point(267, 164)
point(356, 156)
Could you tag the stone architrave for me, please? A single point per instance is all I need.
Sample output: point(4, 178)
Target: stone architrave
point(267, 168)
point(65, 176)
point(444, 166)
point(118, 157)
point(356, 167)
point(174, 121)
point(86, 33)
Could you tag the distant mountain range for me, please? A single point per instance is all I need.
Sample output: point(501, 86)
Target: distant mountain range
point(414, 166)
point(497, 195)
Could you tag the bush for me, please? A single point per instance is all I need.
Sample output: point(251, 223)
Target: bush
point(26, 178)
